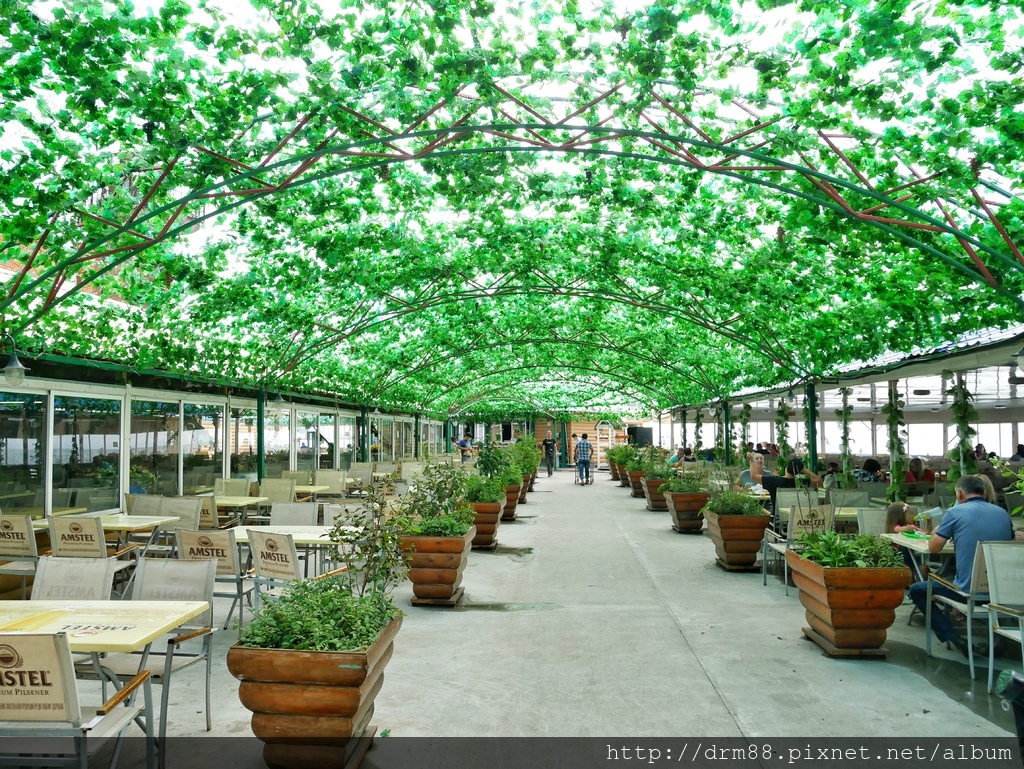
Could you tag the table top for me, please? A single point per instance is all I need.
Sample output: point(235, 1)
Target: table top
point(306, 489)
point(239, 501)
point(120, 521)
point(886, 502)
point(39, 513)
point(915, 544)
point(100, 626)
point(303, 535)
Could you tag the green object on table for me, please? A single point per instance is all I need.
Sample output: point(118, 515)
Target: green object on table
point(916, 535)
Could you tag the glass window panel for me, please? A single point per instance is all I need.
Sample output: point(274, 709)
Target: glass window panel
point(325, 437)
point(86, 454)
point(831, 438)
point(860, 437)
point(22, 450)
point(348, 441)
point(924, 440)
point(154, 447)
point(307, 441)
point(275, 440)
point(202, 446)
point(384, 439)
point(242, 443)
point(996, 437)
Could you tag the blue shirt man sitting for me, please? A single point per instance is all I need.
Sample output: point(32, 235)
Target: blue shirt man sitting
point(970, 521)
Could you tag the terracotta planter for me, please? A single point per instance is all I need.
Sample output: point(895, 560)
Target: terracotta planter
point(737, 539)
point(623, 476)
point(523, 488)
point(437, 564)
point(488, 517)
point(655, 499)
point(635, 482)
point(533, 479)
point(310, 707)
point(511, 502)
point(614, 470)
point(848, 609)
point(685, 509)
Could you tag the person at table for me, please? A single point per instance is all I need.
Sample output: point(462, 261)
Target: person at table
point(830, 480)
point(872, 470)
point(980, 453)
point(772, 483)
point(746, 477)
point(688, 455)
point(762, 449)
point(899, 519)
point(918, 473)
point(1018, 455)
point(970, 521)
point(676, 458)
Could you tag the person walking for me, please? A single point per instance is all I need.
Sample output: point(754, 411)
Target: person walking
point(584, 450)
point(549, 446)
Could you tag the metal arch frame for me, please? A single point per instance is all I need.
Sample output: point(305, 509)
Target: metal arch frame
point(678, 150)
point(458, 408)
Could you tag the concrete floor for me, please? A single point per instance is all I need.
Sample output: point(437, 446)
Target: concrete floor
point(594, 618)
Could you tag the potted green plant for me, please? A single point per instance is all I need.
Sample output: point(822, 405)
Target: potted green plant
point(311, 663)
point(736, 523)
point(616, 455)
point(526, 458)
point(686, 494)
point(635, 468)
point(850, 586)
point(495, 463)
point(441, 534)
point(628, 452)
point(487, 496)
point(656, 474)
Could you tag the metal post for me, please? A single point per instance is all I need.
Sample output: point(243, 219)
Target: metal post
point(364, 444)
point(812, 426)
point(683, 432)
point(416, 437)
point(261, 448)
point(726, 438)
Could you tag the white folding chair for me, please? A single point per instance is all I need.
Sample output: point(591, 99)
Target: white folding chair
point(275, 561)
point(74, 537)
point(148, 504)
point(51, 727)
point(77, 579)
point(172, 580)
point(871, 520)
point(849, 498)
point(188, 511)
point(1005, 564)
point(219, 544)
point(802, 520)
point(18, 548)
point(301, 477)
point(968, 603)
point(335, 482)
point(293, 514)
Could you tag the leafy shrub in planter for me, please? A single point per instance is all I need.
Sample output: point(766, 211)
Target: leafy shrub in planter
point(481, 489)
point(829, 549)
point(734, 503)
point(687, 483)
point(438, 502)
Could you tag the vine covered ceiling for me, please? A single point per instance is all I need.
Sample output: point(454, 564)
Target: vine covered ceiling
point(488, 209)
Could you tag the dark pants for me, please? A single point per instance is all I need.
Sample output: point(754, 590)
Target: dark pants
point(549, 459)
point(944, 630)
point(584, 467)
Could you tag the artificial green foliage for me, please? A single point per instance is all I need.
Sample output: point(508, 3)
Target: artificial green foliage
point(689, 480)
point(485, 212)
point(962, 461)
point(734, 503)
point(490, 462)
point(847, 479)
point(696, 432)
point(830, 549)
point(782, 416)
point(893, 410)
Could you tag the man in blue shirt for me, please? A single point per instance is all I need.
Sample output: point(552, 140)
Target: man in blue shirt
point(583, 451)
point(466, 447)
point(970, 521)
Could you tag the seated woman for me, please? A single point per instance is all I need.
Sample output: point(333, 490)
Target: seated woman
point(918, 473)
point(688, 455)
point(772, 483)
point(872, 470)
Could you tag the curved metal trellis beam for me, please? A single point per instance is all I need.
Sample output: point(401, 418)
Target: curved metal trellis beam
point(530, 135)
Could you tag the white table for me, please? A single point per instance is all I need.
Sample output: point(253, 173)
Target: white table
point(917, 545)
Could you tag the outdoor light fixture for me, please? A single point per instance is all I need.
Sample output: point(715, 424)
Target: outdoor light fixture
point(279, 398)
point(14, 371)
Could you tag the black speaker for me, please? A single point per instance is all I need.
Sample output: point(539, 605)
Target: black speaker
point(640, 436)
point(506, 432)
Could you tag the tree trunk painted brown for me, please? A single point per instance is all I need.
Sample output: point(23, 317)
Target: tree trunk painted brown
point(635, 482)
point(302, 699)
point(511, 502)
point(737, 538)
point(655, 499)
point(488, 518)
point(437, 563)
point(851, 608)
point(685, 510)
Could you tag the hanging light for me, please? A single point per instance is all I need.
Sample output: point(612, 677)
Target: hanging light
point(279, 398)
point(14, 371)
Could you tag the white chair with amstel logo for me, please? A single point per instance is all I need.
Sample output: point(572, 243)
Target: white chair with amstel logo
point(18, 548)
point(200, 545)
point(276, 563)
point(172, 580)
point(65, 732)
point(79, 579)
point(73, 537)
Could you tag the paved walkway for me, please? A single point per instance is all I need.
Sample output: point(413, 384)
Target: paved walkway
point(594, 618)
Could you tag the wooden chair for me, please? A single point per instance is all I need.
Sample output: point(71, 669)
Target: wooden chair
point(1005, 564)
point(18, 548)
point(77, 579)
point(172, 580)
point(66, 731)
point(201, 545)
